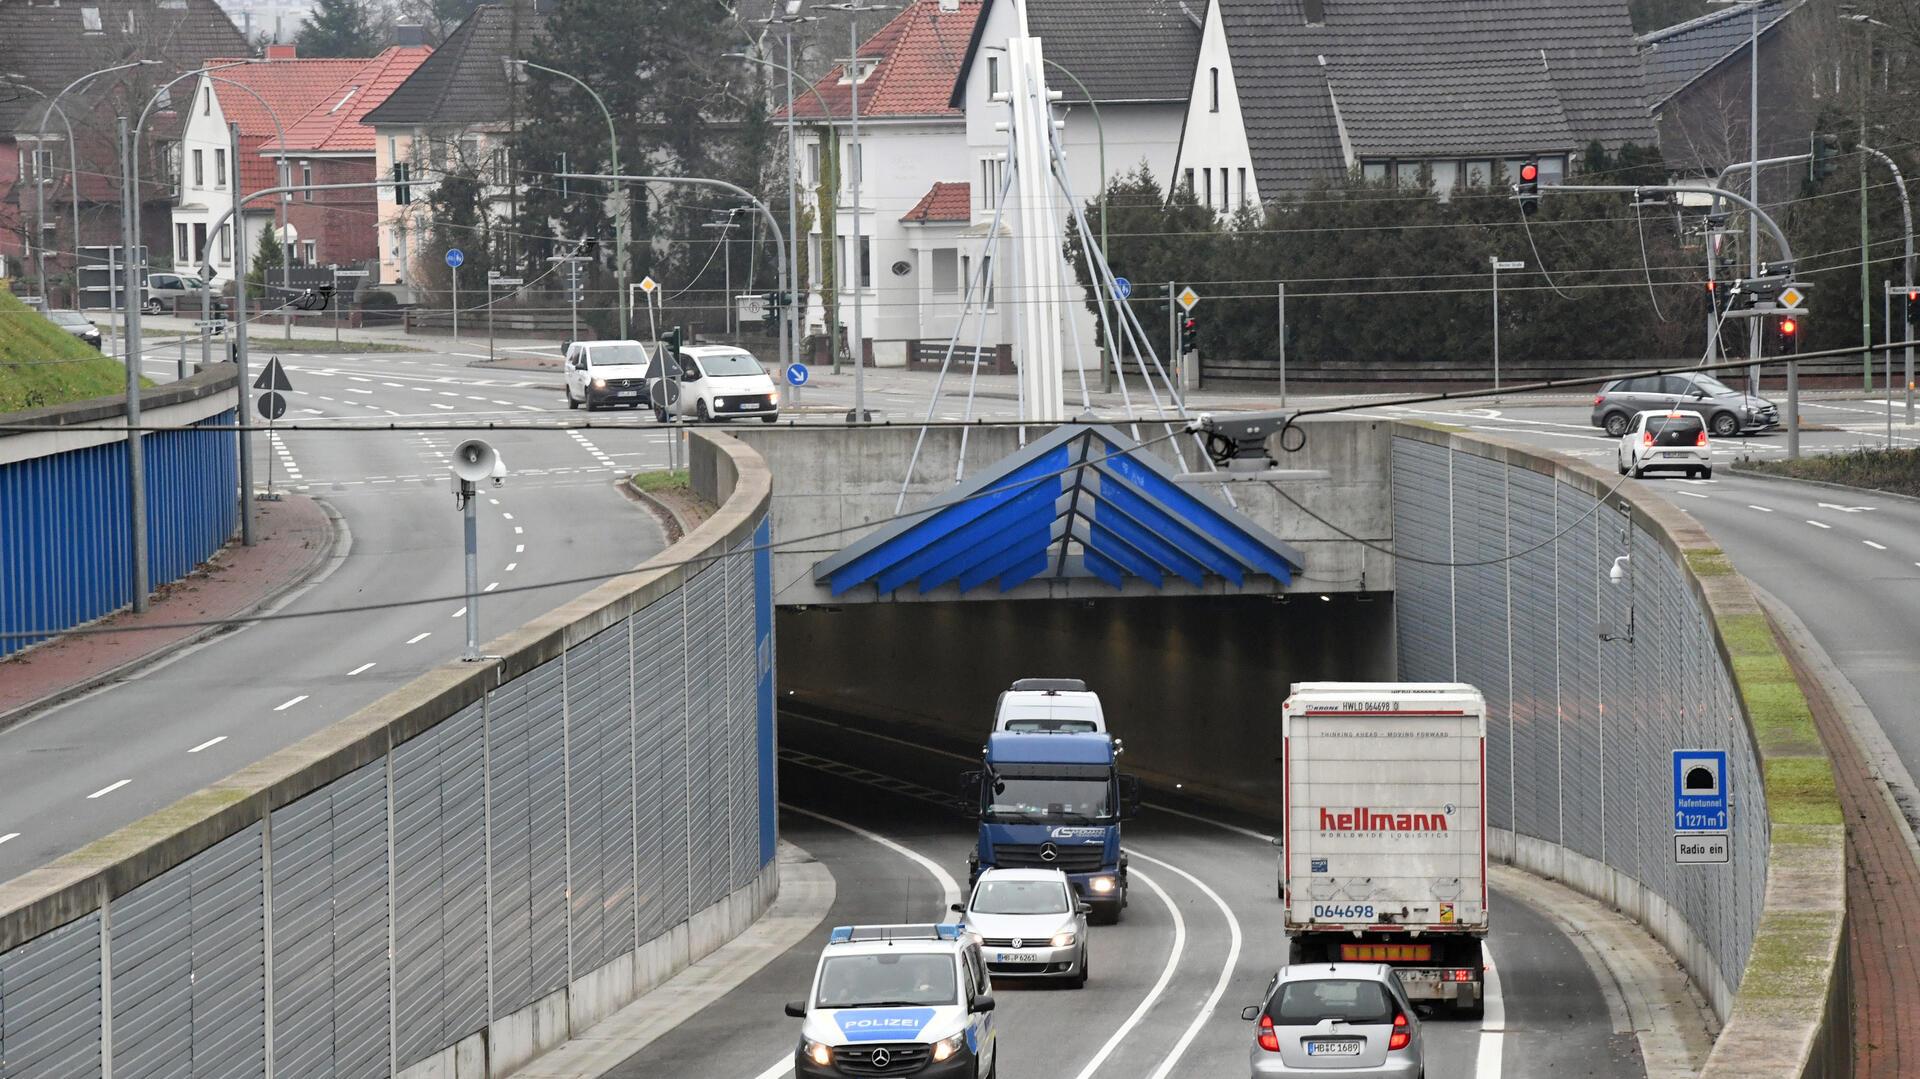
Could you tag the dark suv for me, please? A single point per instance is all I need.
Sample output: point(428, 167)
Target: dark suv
point(1728, 411)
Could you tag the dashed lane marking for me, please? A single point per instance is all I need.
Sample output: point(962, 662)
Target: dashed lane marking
point(1762, 509)
point(208, 744)
point(291, 703)
point(1875, 546)
point(420, 637)
point(9, 835)
point(109, 788)
point(361, 669)
point(1817, 524)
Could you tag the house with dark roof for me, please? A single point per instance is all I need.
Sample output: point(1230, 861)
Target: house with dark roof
point(44, 47)
point(456, 108)
point(1289, 93)
point(1699, 85)
point(913, 179)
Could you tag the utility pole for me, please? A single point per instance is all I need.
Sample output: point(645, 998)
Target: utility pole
point(1283, 344)
point(239, 330)
point(1866, 277)
point(857, 256)
point(136, 450)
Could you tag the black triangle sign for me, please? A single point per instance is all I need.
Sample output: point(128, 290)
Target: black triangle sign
point(273, 378)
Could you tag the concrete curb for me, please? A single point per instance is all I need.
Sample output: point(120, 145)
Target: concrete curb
point(1848, 488)
point(807, 893)
point(324, 562)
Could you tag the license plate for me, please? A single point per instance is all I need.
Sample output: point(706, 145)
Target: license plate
point(1344, 1048)
point(1016, 957)
point(629, 393)
point(749, 405)
point(1432, 976)
point(1670, 456)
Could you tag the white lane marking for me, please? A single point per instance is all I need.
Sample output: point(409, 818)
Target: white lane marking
point(1817, 524)
point(1159, 987)
point(356, 389)
point(1690, 494)
point(419, 638)
point(109, 788)
point(208, 744)
point(1873, 545)
point(518, 531)
point(395, 385)
point(1235, 828)
point(1762, 509)
point(361, 669)
point(9, 835)
point(511, 566)
point(949, 888)
point(460, 613)
point(506, 516)
point(491, 587)
point(357, 378)
point(1493, 1022)
point(437, 404)
point(519, 548)
point(291, 703)
point(1226, 970)
point(531, 408)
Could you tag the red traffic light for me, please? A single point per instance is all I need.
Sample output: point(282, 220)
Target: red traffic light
point(1529, 172)
point(1788, 327)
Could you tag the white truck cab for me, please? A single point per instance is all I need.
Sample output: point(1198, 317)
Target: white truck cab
point(1049, 704)
point(606, 373)
point(898, 999)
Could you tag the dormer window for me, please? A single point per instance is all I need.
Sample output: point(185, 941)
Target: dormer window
point(1315, 11)
point(90, 20)
point(864, 66)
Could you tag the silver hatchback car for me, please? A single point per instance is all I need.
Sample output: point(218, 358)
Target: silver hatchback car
point(1351, 1019)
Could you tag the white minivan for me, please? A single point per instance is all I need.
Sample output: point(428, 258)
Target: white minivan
point(1049, 705)
point(606, 373)
point(718, 382)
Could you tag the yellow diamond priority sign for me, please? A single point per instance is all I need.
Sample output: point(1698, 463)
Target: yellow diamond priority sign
point(648, 284)
point(1188, 298)
point(1791, 297)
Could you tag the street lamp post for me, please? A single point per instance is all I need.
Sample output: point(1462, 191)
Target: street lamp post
point(621, 219)
point(40, 186)
point(853, 9)
point(1753, 174)
point(40, 138)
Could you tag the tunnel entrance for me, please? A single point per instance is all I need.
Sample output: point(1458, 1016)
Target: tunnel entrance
point(1192, 684)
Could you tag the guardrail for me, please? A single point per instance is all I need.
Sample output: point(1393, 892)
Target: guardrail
point(470, 870)
point(1505, 582)
point(64, 534)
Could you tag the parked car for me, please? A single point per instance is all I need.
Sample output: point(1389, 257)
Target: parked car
point(606, 373)
point(77, 324)
point(1728, 411)
point(1336, 1018)
point(1029, 924)
point(715, 382)
point(1673, 441)
point(165, 290)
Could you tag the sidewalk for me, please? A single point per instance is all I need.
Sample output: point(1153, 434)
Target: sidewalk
point(1883, 865)
point(295, 538)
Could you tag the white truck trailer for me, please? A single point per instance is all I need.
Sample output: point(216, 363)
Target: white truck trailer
point(1384, 854)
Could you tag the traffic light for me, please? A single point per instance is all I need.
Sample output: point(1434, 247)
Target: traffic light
point(1716, 298)
point(1189, 334)
point(1529, 186)
point(670, 340)
point(1824, 158)
point(1913, 307)
point(772, 317)
point(1786, 333)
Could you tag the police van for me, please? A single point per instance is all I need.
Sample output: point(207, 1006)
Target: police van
point(898, 1000)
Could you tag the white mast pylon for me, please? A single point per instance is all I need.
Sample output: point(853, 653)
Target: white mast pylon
point(1041, 304)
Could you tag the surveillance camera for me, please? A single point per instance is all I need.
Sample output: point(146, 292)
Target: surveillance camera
point(499, 470)
point(1619, 571)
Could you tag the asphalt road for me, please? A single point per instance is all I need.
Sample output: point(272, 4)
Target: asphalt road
point(78, 771)
point(1199, 939)
point(1846, 562)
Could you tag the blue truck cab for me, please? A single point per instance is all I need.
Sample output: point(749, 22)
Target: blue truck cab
point(1055, 801)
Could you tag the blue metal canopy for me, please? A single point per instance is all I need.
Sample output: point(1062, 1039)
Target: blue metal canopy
point(1082, 501)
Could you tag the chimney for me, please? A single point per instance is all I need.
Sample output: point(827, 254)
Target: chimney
point(409, 34)
point(281, 52)
point(1315, 11)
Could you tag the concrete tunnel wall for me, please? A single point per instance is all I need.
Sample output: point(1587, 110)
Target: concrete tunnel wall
point(1192, 684)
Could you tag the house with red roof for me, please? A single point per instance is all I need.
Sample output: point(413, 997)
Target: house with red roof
point(914, 207)
point(299, 124)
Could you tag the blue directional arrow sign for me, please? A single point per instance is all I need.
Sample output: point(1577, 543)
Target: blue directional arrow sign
point(455, 257)
point(797, 374)
point(1122, 287)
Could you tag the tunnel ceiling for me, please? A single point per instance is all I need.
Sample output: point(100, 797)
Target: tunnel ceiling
point(1082, 501)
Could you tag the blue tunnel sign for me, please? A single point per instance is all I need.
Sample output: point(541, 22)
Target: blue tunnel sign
point(1700, 790)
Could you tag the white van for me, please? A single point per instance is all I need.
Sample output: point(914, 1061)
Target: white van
point(719, 382)
point(1063, 705)
point(606, 373)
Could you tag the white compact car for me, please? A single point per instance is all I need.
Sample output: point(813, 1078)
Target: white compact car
point(1029, 924)
point(716, 382)
point(1049, 704)
point(1670, 441)
point(606, 373)
point(897, 1000)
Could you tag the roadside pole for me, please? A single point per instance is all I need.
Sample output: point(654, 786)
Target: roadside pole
point(1886, 321)
point(1283, 344)
point(136, 448)
point(1173, 334)
point(1499, 265)
point(240, 341)
point(339, 298)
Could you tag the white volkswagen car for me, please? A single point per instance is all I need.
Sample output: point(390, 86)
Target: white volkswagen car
point(898, 1000)
point(1666, 441)
point(1029, 924)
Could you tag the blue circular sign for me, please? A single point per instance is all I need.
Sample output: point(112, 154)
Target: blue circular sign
point(797, 374)
point(1122, 287)
point(455, 257)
